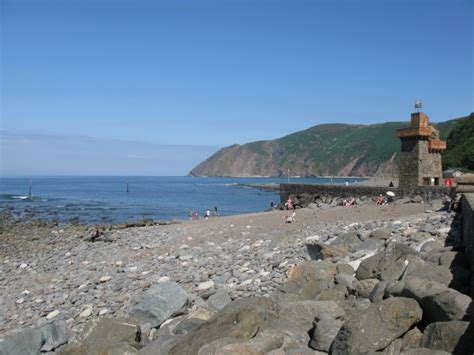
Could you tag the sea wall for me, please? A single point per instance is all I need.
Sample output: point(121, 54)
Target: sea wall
point(467, 208)
point(311, 192)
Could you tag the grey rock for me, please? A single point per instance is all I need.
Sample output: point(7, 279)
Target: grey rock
point(349, 241)
point(456, 337)
point(321, 251)
point(418, 268)
point(33, 341)
point(375, 327)
point(242, 319)
point(218, 300)
point(412, 339)
point(325, 329)
point(106, 335)
point(345, 269)
point(364, 288)
point(263, 343)
point(54, 335)
point(306, 281)
point(439, 302)
point(377, 293)
point(161, 346)
point(333, 294)
point(159, 303)
point(28, 342)
point(296, 319)
point(394, 348)
point(381, 233)
point(386, 266)
point(416, 199)
point(430, 246)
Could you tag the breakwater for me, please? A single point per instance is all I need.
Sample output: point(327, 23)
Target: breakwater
point(306, 193)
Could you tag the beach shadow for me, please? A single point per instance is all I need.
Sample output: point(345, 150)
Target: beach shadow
point(461, 282)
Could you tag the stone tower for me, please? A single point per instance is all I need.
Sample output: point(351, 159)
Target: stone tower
point(420, 158)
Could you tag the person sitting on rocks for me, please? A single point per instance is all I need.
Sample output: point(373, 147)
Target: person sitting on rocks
point(380, 200)
point(349, 202)
point(289, 204)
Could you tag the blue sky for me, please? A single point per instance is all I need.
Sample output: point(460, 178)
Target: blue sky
point(207, 74)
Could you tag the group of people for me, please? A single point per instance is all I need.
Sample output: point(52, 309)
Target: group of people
point(193, 215)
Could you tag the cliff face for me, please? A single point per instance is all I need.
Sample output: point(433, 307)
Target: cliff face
point(330, 149)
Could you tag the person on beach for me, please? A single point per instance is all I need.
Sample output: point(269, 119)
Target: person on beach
point(347, 183)
point(380, 200)
point(349, 202)
point(216, 213)
point(391, 184)
point(289, 204)
point(208, 213)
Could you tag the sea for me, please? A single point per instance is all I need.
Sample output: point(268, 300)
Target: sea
point(118, 199)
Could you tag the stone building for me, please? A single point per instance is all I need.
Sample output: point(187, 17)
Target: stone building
point(420, 158)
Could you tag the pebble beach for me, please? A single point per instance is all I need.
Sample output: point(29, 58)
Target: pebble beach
point(57, 272)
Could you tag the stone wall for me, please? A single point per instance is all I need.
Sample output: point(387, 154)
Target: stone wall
point(467, 206)
point(355, 190)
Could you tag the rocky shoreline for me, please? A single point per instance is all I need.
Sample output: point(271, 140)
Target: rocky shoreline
point(278, 281)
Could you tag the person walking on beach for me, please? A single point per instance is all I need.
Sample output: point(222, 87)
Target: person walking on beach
point(216, 213)
point(208, 213)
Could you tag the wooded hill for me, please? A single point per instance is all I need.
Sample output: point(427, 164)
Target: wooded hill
point(327, 149)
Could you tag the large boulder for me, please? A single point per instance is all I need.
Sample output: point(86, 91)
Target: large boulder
point(418, 268)
point(327, 323)
point(159, 303)
point(239, 321)
point(456, 337)
point(375, 327)
point(386, 266)
point(439, 302)
point(349, 241)
point(306, 281)
point(107, 336)
point(33, 341)
point(296, 319)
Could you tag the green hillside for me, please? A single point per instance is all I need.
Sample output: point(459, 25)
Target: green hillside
point(328, 149)
point(460, 151)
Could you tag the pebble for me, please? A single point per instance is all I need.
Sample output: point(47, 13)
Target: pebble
point(23, 266)
point(86, 312)
point(52, 314)
point(103, 311)
point(105, 278)
point(163, 279)
point(20, 301)
point(205, 285)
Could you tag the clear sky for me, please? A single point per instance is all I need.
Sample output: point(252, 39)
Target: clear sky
point(206, 74)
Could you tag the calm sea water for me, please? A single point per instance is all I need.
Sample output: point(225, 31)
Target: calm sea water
point(105, 199)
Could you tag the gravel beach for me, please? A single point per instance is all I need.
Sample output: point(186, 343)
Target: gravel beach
point(56, 272)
